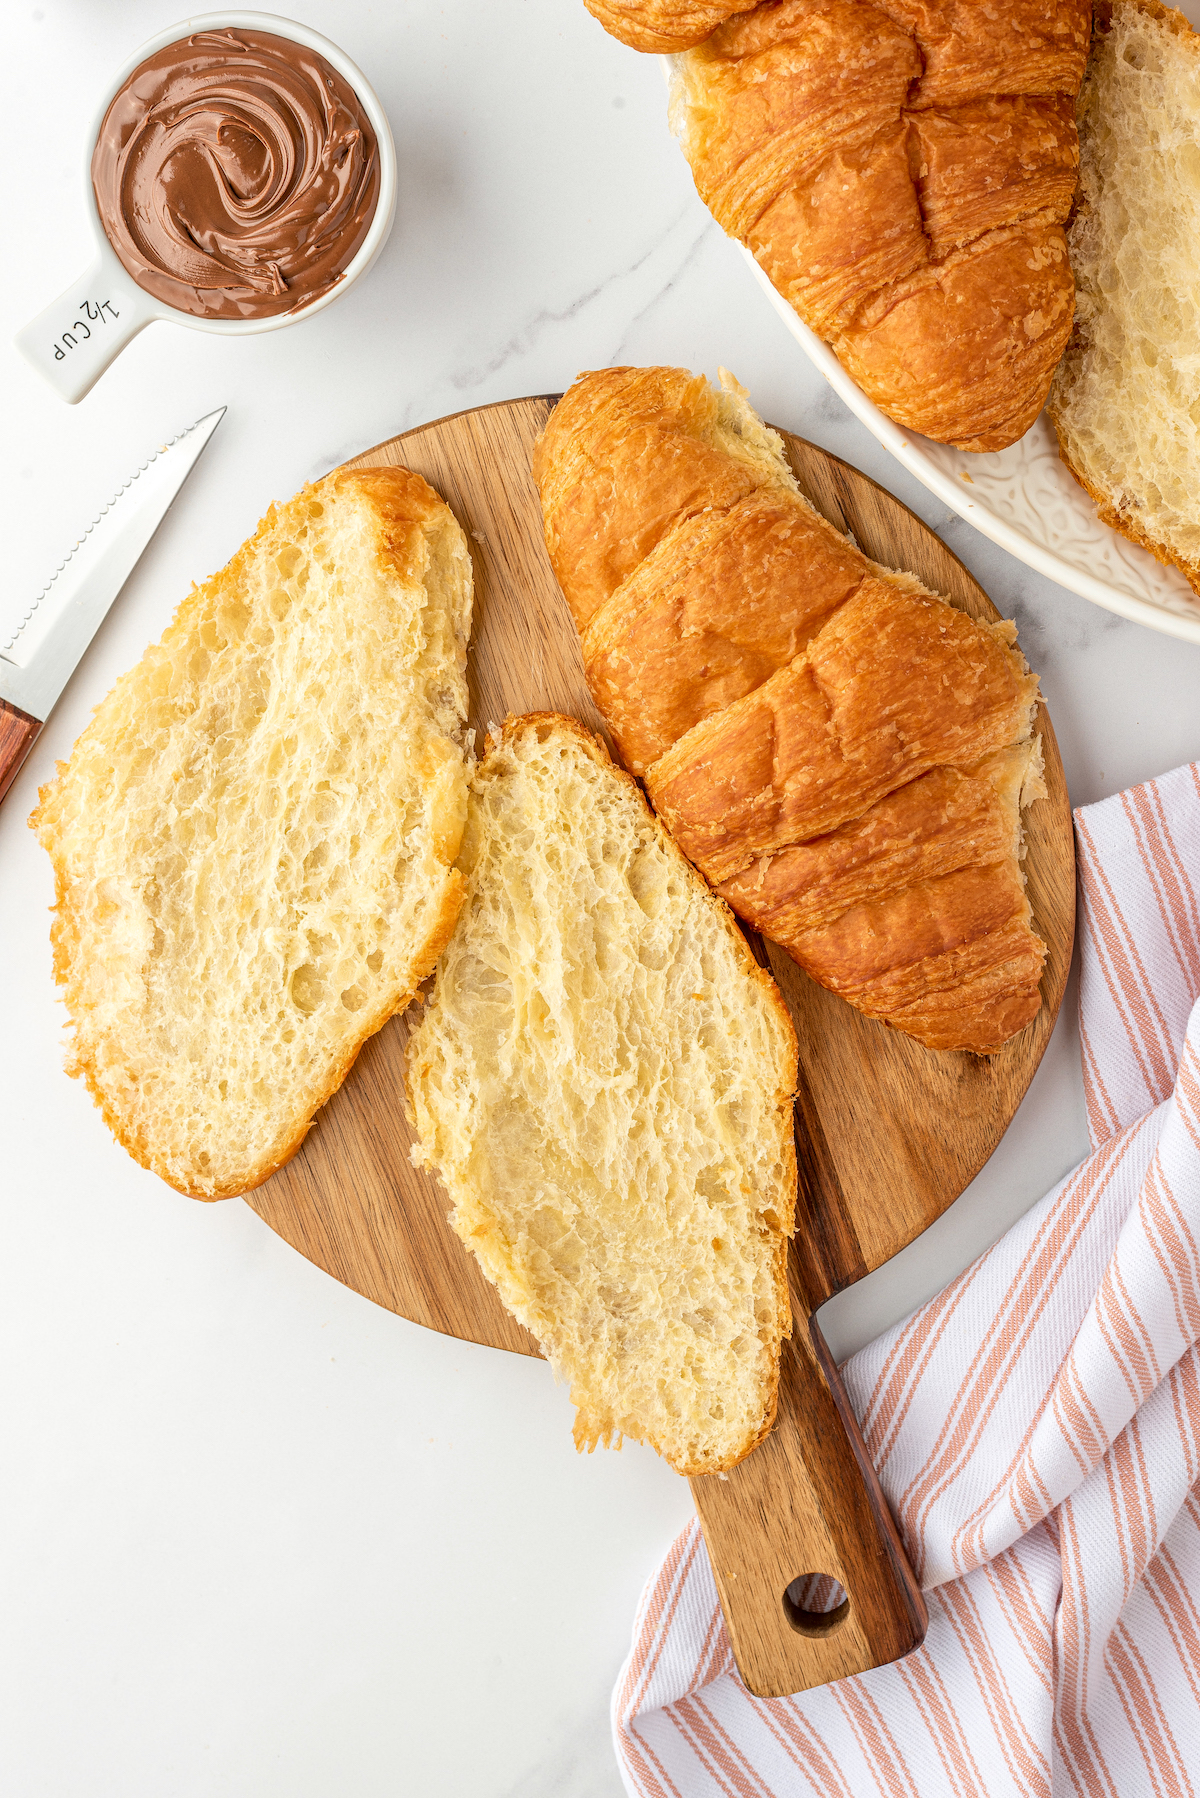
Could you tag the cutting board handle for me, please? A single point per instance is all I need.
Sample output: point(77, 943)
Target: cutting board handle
point(807, 1495)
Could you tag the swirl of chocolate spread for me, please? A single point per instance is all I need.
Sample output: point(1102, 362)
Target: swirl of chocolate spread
point(236, 175)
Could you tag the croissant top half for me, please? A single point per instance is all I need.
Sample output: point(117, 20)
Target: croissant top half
point(902, 170)
point(841, 752)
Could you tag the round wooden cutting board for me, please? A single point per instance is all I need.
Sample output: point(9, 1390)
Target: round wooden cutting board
point(888, 1132)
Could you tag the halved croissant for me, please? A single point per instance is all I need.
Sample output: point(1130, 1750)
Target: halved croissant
point(842, 753)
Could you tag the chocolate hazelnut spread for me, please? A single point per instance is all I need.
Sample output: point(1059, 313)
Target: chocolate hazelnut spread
point(236, 174)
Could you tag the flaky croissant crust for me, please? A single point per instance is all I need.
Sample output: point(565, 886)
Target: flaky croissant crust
point(902, 170)
point(841, 753)
point(653, 25)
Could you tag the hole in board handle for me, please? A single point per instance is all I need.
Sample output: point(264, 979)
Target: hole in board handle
point(815, 1604)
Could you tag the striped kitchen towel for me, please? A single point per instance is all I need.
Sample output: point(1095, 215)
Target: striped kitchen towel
point(1037, 1431)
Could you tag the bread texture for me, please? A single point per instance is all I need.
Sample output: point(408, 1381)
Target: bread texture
point(603, 1078)
point(254, 839)
point(1126, 399)
point(902, 170)
point(842, 753)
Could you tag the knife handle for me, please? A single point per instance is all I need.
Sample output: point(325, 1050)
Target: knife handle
point(808, 1502)
point(17, 732)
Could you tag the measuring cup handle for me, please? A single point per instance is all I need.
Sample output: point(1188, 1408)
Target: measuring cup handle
point(73, 341)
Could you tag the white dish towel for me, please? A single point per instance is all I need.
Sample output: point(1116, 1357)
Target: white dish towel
point(1036, 1427)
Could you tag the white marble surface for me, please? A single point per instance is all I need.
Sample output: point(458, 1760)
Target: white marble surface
point(258, 1536)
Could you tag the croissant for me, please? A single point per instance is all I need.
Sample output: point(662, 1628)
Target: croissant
point(842, 753)
point(664, 24)
point(902, 170)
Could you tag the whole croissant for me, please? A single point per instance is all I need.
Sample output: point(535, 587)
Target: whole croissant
point(902, 170)
point(842, 753)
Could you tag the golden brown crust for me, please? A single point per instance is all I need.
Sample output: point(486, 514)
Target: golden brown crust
point(944, 820)
point(664, 25)
point(402, 504)
point(724, 599)
point(903, 172)
point(958, 944)
point(625, 453)
point(966, 350)
point(839, 751)
point(894, 685)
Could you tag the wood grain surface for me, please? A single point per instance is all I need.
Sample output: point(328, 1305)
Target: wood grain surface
point(17, 732)
point(893, 1132)
point(888, 1132)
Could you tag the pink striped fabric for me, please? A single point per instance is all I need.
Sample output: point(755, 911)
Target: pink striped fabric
point(1049, 1494)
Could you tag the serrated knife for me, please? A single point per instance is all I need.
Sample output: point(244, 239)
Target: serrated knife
point(44, 651)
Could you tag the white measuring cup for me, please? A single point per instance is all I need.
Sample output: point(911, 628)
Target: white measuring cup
point(73, 341)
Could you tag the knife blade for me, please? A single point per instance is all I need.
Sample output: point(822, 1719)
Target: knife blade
point(43, 652)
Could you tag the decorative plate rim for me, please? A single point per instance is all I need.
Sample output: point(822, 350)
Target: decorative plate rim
point(909, 449)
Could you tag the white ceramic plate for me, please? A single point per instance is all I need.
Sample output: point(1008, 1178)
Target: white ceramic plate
point(1024, 500)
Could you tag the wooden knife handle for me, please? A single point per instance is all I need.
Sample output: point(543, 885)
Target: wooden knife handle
point(808, 1501)
point(17, 731)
